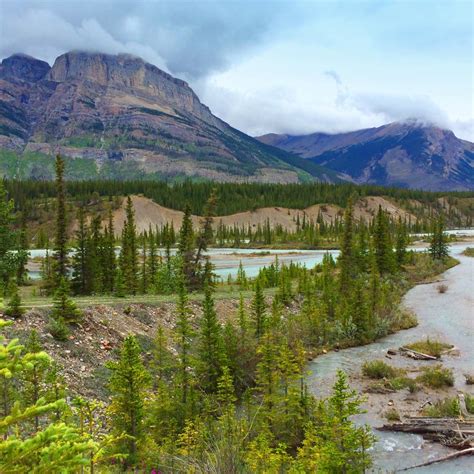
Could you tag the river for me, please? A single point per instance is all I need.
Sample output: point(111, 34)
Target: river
point(449, 317)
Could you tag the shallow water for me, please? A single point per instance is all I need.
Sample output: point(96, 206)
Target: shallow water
point(448, 316)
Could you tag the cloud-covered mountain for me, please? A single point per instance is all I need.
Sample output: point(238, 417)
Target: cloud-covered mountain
point(408, 154)
point(118, 108)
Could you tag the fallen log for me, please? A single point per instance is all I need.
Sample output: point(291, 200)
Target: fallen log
point(448, 431)
point(458, 454)
point(416, 355)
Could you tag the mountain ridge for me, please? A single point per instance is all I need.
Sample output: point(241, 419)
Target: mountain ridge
point(119, 108)
point(407, 154)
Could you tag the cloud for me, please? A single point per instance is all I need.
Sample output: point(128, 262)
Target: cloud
point(192, 39)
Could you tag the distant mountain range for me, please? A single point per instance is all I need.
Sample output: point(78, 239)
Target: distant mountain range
point(124, 114)
point(409, 154)
point(124, 118)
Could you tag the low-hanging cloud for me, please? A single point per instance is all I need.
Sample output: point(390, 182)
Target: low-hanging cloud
point(192, 39)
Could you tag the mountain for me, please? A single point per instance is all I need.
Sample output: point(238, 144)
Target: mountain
point(129, 116)
point(405, 154)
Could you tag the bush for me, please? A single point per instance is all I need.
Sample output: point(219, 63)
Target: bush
point(447, 408)
point(469, 403)
point(437, 377)
point(432, 348)
point(398, 383)
point(378, 369)
point(392, 415)
point(469, 252)
point(58, 329)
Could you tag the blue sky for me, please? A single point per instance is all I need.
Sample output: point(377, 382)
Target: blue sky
point(279, 66)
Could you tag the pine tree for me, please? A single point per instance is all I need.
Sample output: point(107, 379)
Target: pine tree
point(120, 289)
point(128, 384)
point(64, 309)
point(401, 243)
point(184, 334)
point(346, 257)
point(109, 266)
point(14, 308)
point(383, 243)
point(80, 269)
point(22, 254)
point(258, 309)
point(439, 248)
point(8, 240)
point(210, 350)
point(60, 250)
point(129, 252)
point(186, 248)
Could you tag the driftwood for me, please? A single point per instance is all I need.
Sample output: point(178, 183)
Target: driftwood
point(464, 452)
point(417, 355)
point(453, 432)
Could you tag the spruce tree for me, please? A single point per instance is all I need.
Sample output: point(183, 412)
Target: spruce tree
point(60, 249)
point(184, 333)
point(383, 243)
point(129, 252)
point(64, 308)
point(80, 283)
point(346, 257)
point(109, 268)
point(401, 242)
point(210, 350)
point(14, 308)
point(259, 310)
point(128, 384)
point(439, 248)
point(22, 253)
point(186, 249)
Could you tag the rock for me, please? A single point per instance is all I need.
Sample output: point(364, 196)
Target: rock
point(392, 352)
point(390, 403)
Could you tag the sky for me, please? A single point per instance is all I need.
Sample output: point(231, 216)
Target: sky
point(282, 66)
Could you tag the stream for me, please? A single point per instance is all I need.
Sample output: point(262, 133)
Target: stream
point(448, 317)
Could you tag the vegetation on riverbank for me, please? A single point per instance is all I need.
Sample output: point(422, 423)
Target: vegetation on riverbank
point(205, 393)
point(469, 252)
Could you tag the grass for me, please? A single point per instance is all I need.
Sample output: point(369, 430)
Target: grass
point(378, 369)
point(447, 408)
point(469, 252)
point(392, 415)
point(430, 347)
point(437, 377)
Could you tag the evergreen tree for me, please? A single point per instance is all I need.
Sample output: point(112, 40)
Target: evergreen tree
point(401, 243)
point(346, 257)
point(210, 350)
point(8, 241)
point(129, 252)
point(383, 243)
point(14, 308)
point(22, 254)
point(184, 334)
point(80, 280)
point(186, 249)
point(439, 248)
point(128, 384)
point(60, 250)
point(259, 310)
point(109, 266)
point(64, 309)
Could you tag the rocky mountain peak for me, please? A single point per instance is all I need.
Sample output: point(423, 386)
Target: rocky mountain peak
point(24, 67)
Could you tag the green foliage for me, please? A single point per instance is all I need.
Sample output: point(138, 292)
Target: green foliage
point(439, 248)
point(378, 369)
point(447, 408)
point(437, 377)
point(431, 347)
point(29, 445)
point(64, 307)
point(128, 385)
point(14, 308)
point(469, 252)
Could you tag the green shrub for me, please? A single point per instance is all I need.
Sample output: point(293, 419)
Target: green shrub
point(392, 415)
point(378, 369)
point(58, 329)
point(399, 383)
point(432, 348)
point(447, 408)
point(437, 377)
point(469, 403)
point(469, 252)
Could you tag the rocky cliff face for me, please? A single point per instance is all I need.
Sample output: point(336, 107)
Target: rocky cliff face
point(398, 154)
point(122, 109)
